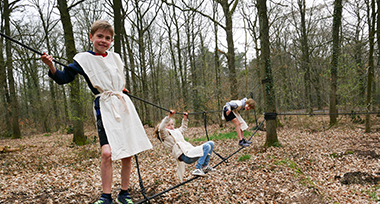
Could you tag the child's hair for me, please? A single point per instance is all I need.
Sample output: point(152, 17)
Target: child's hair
point(251, 103)
point(156, 133)
point(101, 24)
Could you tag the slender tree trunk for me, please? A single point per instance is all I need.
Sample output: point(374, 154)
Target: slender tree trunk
point(117, 25)
point(16, 133)
point(47, 24)
point(168, 24)
point(335, 59)
point(266, 74)
point(371, 29)
point(182, 93)
point(305, 60)
point(378, 40)
point(125, 57)
point(132, 66)
point(231, 48)
point(217, 63)
point(4, 91)
point(75, 94)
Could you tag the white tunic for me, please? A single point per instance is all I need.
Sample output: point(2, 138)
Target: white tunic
point(123, 127)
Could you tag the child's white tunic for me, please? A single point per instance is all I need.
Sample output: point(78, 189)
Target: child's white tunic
point(123, 127)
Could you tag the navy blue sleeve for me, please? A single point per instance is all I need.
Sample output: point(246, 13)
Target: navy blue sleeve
point(68, 74)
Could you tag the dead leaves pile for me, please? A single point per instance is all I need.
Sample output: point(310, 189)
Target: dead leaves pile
point(315, 164)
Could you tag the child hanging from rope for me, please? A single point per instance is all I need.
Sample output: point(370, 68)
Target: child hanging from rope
point(230, 113)
point(121, 133)
point(183, 151)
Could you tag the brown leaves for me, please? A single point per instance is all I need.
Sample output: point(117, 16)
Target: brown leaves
point(307, 169)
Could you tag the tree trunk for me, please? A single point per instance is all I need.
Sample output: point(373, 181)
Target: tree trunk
point(4, 91)
point(266, 74)
point(337, 19)
point(305, 59)
point(217, 63)
point(4, 87)
point(230, 46)
point(371, 29)
point(117, 25)
point(378, 41)
point(75, 95)
point(16, 133)
point(132, 66)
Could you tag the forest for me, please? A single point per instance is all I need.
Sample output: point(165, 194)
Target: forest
point(311, 61)
point(192, 56)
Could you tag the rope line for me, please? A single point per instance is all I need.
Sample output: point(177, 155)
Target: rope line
point(196, 177)
point(141, 181)
point(27, 47)
point(311, 114)
point(205, 123)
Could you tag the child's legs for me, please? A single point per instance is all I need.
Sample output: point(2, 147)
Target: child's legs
point(189, 160)
point(238, 128)
point(125, 172)
point(211, 143)
point(106, 169)
point(201, 161)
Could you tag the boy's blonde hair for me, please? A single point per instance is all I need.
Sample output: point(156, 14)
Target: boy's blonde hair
point(251, 103)
point(101, 24)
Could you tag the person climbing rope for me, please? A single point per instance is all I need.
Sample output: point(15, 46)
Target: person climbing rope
point(183, 151)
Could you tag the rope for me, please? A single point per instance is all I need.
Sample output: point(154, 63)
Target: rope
point(195, 177)
point(205, 123)
point(27, 47)
point(311, 114)
point(141, 181)
point(167, 190)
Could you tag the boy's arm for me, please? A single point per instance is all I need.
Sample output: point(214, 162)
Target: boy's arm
point(65, 76)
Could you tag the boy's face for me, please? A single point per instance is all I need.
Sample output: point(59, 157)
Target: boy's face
point(102, 40)
point(247, 107)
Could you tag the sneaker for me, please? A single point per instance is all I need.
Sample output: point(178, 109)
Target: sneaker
point(103, 200)
point(242, 143)
point(247, 141)
point(208, 169)
point(198, 172)
point(124, 199)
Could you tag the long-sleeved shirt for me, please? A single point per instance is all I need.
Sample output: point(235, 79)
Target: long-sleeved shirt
point(232, 105)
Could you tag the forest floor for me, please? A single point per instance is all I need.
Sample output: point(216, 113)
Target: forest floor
point(315, 164)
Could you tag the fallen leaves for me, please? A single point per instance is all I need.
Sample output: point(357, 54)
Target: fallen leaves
point(308, 168)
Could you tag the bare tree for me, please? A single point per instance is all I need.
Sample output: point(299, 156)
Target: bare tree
point(75, 96)
point(144, 14)
point(16, 133)
point(3, 79)
point(337, 20)
point(266, 74)
point(371, 14)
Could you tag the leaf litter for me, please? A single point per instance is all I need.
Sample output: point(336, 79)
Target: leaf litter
point(315, 164)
